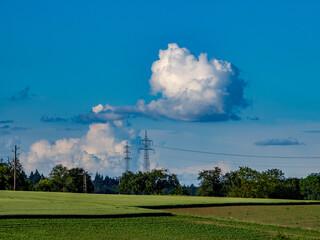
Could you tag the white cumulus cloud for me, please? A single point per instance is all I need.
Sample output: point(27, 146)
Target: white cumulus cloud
point(99, 150)
point(190, 88)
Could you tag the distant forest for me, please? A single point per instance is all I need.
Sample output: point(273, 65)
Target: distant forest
point(244, 182)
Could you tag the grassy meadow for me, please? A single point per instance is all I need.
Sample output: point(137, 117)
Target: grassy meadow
point(169, 227)
point(42, 215)
point(302, 216)
point(53, 203)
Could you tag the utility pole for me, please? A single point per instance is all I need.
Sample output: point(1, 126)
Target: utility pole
point(85, 183)
point(146, 142)
point(127, 157)
point(15, 167)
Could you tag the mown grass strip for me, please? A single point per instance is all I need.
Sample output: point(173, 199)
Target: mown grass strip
point(272, 229)
point(174, 227)
point(230, 204)
point(122, 228)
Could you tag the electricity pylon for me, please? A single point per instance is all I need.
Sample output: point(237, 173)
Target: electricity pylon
point(127, 157)
point(84, 185)
point(146, 142)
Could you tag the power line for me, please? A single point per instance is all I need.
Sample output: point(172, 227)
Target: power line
point(235, 155)
point(173, 158)
point(146, 147)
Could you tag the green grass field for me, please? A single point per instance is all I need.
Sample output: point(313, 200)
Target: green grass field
point(49, 203)
point(27, 215)
point(175, 227)
point(302, 216)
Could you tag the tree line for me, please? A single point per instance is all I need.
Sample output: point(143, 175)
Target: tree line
point(249, 183)
point(158, 181)
point(60, 179)
point(244, 182)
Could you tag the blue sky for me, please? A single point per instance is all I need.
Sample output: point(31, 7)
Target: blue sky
point(59, 59)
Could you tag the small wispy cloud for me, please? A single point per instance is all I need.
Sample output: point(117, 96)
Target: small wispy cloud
point(5, 127)
point(22, 95)
point(69, 129)
point(279, 142)
point(312, 131)
point(6, 121)
point(20, 129)
point(52, 119)
point(253, 118)
point(3, 132)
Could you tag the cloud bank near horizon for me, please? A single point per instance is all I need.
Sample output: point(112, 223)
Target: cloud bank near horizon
point(99, 150)
point(188, 88)
point(279, 142)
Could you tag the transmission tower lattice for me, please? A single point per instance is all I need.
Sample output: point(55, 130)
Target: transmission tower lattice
point(146, 148)
point(85, 188)
point(127, 157)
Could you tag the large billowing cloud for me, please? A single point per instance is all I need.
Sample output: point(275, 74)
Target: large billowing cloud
point(189, 88)
point(99, 150)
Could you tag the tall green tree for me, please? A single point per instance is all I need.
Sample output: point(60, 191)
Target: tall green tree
point(271, 183)
point(158, 181)
point(310, 186)
point(22, 182)
point(64, 180)
point(5, 176)
point(75, 181)
point(244, 182)
point(106, 185)
point(58, 176)
point(44, 185)
point(292, 189)
point(191, 189)
point(98, 183)
point(211, 183)
point(128, 184)
point(35, 177)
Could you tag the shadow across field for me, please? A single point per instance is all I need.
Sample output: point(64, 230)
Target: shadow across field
point(86, 216)
point(75, 205)
point(42, 215)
